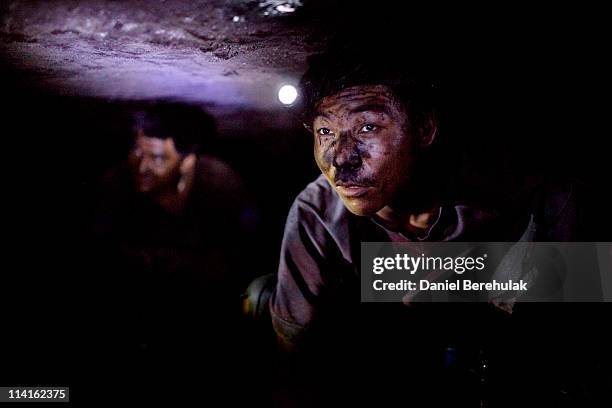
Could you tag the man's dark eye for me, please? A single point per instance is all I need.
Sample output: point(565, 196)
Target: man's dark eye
point(368, 128)
point(324, 131)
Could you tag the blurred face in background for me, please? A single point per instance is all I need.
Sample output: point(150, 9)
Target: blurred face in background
point(155, 164)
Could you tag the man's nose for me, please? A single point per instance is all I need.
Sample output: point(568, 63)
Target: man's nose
point(346, 155)
point(143, 165)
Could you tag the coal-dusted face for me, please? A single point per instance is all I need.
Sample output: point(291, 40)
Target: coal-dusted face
point(364, 146)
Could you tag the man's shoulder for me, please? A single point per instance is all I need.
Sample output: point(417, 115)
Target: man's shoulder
point(320, 201)
point(218, 184)
point(317, 193)
point(211, 169)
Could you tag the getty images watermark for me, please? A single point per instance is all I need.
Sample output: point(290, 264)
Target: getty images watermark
point(458, 265)
point(486, 271)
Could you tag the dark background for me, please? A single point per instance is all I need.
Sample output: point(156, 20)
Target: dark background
point(527, 95)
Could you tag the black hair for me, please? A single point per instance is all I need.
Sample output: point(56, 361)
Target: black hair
point(344, 66)
point(187, 125)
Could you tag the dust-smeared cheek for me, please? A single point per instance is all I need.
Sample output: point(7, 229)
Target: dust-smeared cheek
point(380, 162)
point(373, 156)
point(324, 158)
point(371, 150)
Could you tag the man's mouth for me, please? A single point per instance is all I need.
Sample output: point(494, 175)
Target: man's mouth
point(143, 181)
point(351, 190)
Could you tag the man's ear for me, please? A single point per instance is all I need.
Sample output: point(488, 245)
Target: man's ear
point(428, 130)
point(188, 164)
point(307, 127)
point(187, 170)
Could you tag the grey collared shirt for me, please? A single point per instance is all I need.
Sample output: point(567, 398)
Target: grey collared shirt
point(320, 250)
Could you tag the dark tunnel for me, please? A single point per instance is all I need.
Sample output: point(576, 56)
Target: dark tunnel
point(87, 305)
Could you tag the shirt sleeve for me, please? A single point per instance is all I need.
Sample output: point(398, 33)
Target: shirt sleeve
point(307, 273)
